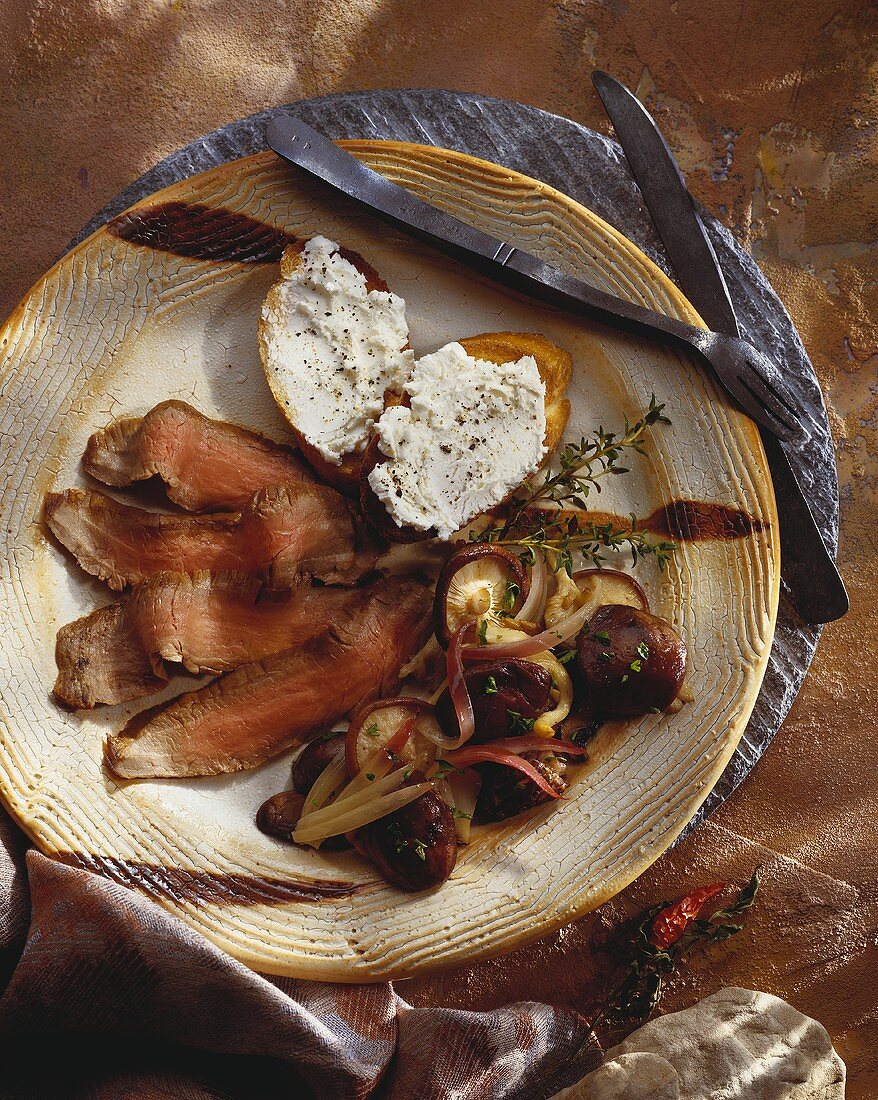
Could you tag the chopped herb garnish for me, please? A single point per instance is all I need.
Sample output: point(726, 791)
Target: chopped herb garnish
point(518, 723)
point(371, 731)
point(513, 591)
point(654, 710)
point(643, 650)
point(370, 776)
point(625, 678)
point(606, 655)
point(459, 813)
point(490, 686)
point(483, 632)
point(603, 636)
point(566, 657)
point(420, 848)
point(636, 665)
point(443, 768)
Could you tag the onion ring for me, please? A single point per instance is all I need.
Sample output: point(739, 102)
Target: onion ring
point(526, 647)
point(459, 692)
point(535, 743)
point(533, 607)
point(489, 754)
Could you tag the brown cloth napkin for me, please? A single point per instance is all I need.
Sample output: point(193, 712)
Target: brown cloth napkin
point(110, 997)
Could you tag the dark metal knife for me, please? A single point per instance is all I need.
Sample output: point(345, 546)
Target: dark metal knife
point(746, 372)
point(807, 565)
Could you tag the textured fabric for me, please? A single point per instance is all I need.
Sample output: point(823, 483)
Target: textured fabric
point(113, 997)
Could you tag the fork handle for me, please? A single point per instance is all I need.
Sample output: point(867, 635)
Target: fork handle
point(809, 570)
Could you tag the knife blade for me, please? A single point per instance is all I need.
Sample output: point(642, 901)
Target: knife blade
point(807, 566)
point(752, 379)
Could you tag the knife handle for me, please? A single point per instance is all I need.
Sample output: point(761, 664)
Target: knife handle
point(818, 591)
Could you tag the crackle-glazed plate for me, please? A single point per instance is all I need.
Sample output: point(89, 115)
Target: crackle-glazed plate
point(151, 308)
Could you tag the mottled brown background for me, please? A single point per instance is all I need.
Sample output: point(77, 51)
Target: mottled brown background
point(772, 109)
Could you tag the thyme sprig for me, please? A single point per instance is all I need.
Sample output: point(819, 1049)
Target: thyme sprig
point(540, 517)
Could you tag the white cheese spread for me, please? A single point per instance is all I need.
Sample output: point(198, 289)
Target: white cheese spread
point(331, 349)
point(474, 432)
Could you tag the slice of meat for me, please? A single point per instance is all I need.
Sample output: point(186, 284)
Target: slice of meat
point(206, 465)
point(281, 534)
point(208, 622)
point(101, 660)
point(260, 709)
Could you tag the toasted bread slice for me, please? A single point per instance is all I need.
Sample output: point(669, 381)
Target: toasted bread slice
point(554, 366)
point(275, 315)
point(553, 363)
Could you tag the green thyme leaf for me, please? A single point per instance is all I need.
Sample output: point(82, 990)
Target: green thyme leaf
point(518, 723)
point(513, 591)
point(536, 517)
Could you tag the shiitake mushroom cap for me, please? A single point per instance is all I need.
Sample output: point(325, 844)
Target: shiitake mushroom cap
point(474, 581)
point(629, 661)
point(520, 689)
point(314, 758)
point(505, 792)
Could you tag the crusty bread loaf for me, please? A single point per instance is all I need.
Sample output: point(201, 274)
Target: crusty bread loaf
point(554, 365)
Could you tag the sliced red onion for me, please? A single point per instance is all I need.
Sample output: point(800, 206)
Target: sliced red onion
point(534, 743)
point(457, 689)
point(526, 647)
point(533, 607)
point(490, 754)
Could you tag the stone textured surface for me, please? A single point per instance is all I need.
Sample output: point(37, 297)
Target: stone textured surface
point(640, 1075)
point(738, 1043)
point(771, 111)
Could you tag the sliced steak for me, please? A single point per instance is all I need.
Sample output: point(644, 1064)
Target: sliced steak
point(281, 534)
point(208, 622)
point(207, 465)
point(260, 709)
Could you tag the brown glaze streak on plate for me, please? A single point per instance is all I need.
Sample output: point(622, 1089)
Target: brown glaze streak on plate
point(179, 884)
point(699, 521)
point(684, 521)
point(201, 232)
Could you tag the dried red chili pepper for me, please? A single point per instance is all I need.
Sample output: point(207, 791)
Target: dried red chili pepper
point(670, 924)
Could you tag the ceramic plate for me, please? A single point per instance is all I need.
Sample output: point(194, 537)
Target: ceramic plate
point(164, 304)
